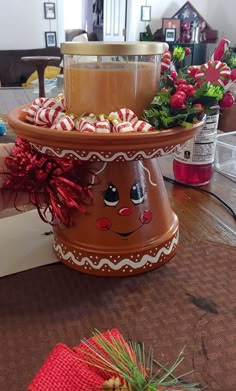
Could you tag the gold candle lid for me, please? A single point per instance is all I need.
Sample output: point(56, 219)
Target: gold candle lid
point(114, 48)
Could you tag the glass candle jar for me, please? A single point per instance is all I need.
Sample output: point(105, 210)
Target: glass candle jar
point(100, 77)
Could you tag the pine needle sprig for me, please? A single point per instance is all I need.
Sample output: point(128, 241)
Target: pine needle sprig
point(129, 361)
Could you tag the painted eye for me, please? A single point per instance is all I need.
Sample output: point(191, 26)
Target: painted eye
point(111, 195)
point(137, 193)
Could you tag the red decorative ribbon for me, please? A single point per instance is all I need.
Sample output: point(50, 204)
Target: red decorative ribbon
point(54, 185)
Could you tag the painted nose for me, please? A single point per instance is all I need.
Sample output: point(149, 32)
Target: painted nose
point(125, 211)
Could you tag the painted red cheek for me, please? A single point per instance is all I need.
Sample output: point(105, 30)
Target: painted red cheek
point(146, 217)
point(103, 224)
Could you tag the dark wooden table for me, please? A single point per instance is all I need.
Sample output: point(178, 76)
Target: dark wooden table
point(201, 216)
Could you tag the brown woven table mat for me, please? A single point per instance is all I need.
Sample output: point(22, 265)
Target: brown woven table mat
point(188, 302)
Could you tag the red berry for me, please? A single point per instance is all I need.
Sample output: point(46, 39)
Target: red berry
point(182, 94)
point(187, 51)
point(176, 101)
point(191, 90)
point(182, 87)
point(181, 81)
point(173, 74)
point(200, 107)
point(227, 101)
point(233, 74)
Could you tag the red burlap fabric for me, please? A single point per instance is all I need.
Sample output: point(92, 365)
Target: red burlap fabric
point(63, 370)
point(188, 302)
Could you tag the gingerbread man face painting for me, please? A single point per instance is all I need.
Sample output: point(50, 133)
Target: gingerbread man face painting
point(125, 208)
point(125, 212)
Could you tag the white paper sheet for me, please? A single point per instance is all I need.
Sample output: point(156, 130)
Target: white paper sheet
point(23, 243)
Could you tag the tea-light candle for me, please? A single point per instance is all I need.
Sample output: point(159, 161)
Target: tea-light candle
point(102, 77)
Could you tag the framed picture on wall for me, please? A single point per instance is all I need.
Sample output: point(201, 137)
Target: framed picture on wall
point(49, 11)
point(171, 23)
point(145, 13)
point(170, 35)
point(50, 39)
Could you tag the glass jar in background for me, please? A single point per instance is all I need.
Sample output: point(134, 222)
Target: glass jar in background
point(100, 77)
point(194, 163)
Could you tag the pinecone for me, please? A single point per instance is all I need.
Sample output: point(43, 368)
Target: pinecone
point(116, 384)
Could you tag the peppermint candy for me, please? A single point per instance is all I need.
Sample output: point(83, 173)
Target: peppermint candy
point(165, 60)
point(123, 127)
point(142, 126)
point(213, 72)
point(126, 115)
point(84, 126)
point(103, 126)
point(46, 103)
point(65, 123)
point(47, 117)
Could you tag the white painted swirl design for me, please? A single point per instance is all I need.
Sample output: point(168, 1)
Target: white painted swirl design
point(149, 174)
point(124, 262)
point(107, 157)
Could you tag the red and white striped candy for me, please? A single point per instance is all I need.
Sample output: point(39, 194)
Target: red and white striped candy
point(166, 55)
point(34, 107)
point(142, 126)
point(213, 72)
point(40, 103)
point(126, 115)
point(103, 126)
point(65, 123)
point(84, 126)
point(31, 113)
point(123, 127)
point(47, 116)
point(165, 60)
point(55, 105)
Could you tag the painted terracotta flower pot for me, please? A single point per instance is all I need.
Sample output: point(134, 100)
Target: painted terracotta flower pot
point(130, 227)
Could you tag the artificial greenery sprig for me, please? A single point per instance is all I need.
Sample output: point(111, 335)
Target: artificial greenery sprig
point(130, 366)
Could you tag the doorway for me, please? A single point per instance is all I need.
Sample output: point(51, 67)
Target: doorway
point(107, 18)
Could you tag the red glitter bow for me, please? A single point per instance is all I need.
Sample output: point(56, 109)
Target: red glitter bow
point(54, 185)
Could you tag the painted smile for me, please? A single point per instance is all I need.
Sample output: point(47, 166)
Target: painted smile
point(105, 224)
point(126, 234)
